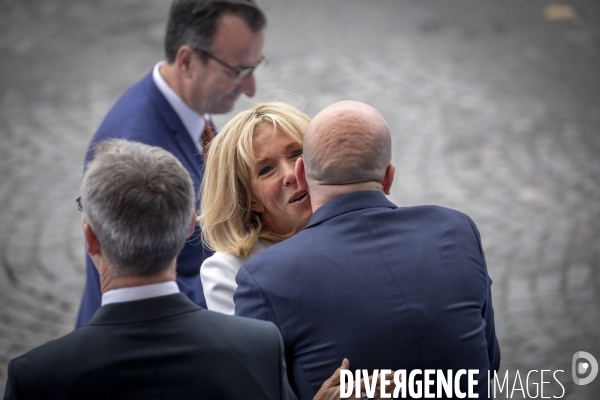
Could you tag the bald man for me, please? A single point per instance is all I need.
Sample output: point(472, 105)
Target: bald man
point(404, 288)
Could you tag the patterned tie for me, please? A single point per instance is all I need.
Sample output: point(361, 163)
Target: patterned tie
point(208, 134)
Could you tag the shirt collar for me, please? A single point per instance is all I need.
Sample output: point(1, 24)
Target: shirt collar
point(139, 292)
point(193, 122)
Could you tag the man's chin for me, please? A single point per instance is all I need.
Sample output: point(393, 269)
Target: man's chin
point(225, 106)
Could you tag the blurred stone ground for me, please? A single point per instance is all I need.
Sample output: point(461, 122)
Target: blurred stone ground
point(494, 108)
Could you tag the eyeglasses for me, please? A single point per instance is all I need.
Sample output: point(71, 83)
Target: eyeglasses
point(78, 201)
point(239, 72)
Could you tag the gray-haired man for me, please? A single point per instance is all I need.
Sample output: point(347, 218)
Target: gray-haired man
point(148, 340)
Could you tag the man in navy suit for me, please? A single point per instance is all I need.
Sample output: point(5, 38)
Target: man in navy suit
point(401, 288)
point(212, 48)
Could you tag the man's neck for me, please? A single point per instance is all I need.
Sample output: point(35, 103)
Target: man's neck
point(110, 282)
point(170, 75)
point(320, 194)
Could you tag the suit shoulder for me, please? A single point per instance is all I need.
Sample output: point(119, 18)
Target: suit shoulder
point(242, 329)
point(134, 113)
point(230, 321)
point(293, 248)
point(51, 352)
point(436, 212)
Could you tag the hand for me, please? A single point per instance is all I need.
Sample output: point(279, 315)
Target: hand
point(330, 389)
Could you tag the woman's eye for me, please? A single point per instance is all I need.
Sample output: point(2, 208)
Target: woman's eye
point(296, 153)
point(264, 170)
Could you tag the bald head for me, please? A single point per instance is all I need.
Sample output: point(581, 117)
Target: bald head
point(348, 142)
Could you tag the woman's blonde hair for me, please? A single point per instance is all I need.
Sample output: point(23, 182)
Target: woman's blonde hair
point(228, 223)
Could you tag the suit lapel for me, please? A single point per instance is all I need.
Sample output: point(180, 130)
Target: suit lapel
point(181, 137)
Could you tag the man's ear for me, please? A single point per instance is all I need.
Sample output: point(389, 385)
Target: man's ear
point(92, 245)
point(183, 59)
point(389, 178)
point(301, 174)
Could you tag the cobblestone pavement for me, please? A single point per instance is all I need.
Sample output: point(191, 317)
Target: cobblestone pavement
point(494, 108)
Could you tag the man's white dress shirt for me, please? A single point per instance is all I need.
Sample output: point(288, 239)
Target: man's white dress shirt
point(139, 292)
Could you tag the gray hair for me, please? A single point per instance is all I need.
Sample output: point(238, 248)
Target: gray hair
point(194, 22)
point(138, 200)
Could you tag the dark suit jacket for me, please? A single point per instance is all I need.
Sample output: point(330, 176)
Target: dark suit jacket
point(144, 115)
point(160, 348)
point(386, 287)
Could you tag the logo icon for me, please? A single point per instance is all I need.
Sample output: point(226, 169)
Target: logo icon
point(580, 367)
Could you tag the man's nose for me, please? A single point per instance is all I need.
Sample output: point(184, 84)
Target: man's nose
point(247, 85)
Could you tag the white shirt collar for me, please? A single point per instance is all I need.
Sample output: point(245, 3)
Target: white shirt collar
point(193, 122)
point(139, 292)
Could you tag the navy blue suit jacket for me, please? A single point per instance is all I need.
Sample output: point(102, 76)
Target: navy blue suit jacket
point(386, 287)
point(144, 115)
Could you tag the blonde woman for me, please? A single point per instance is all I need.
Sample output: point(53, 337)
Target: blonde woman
point(250, 197)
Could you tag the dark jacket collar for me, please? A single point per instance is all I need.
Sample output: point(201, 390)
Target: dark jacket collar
point(144, 310)
point(349, 202)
